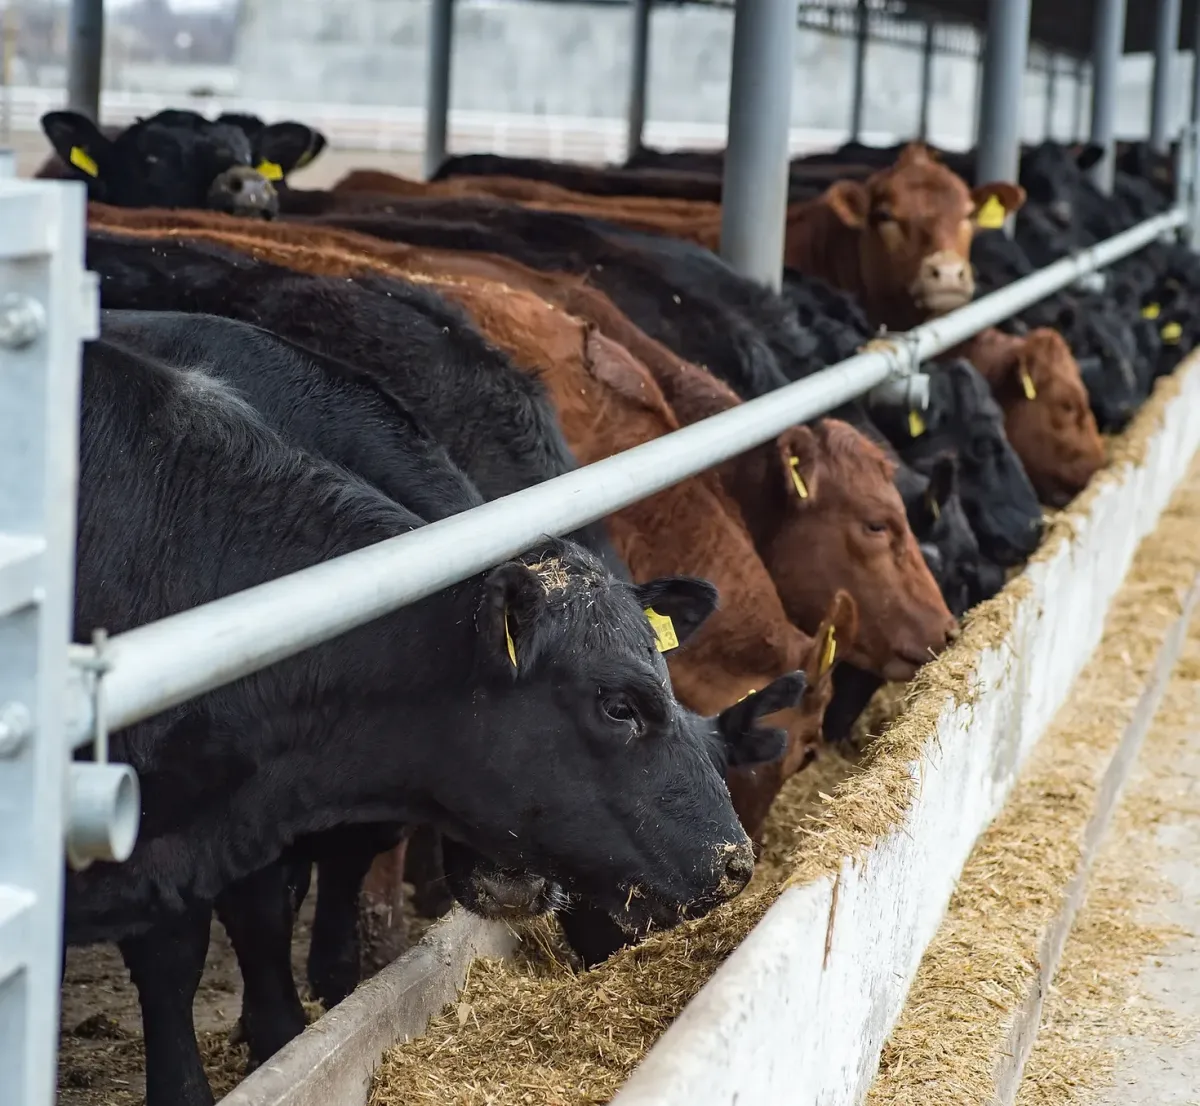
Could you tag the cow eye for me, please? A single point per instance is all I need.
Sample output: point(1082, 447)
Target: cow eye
point(875, 527)
point(618, 709)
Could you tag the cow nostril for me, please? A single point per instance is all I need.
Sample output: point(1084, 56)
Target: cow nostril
point(235, 185)
point(739, 867)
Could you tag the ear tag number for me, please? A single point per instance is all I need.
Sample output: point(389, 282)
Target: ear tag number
point(665, 638)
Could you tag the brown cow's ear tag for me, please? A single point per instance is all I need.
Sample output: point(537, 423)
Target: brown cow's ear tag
point(1027, 384)
point(512, 649)
point(270, 169)
point(916, 424)
point(797, 479)
point(1151, 311)
point(84, 162)
point(991, 215)
point(665, 638)
point(1171, 333)
point(829, 653)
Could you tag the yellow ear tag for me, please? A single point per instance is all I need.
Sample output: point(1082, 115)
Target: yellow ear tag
point(81, 160)
point(664, 630)
point(991, 215)
point(1171, 333)
point(512, 649)
point(829, 655)
point(934, 509)
point(746, 696)
point(270, 170)
point(797, 479)
point(1027, 385)
point(1151, 311)
point(916, 424)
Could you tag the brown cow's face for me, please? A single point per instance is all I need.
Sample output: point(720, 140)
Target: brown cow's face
point(916, 221)
point(754, 787)
point(841, 525)
point(1047, 417)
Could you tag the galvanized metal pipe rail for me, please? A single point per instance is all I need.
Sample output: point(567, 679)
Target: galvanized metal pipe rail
point(165, 663)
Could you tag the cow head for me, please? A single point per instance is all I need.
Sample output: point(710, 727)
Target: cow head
point(1047, 417)
point(755, 786)
point(915, 222)
point(826, 515)
point(569, 755)
point(179, 159)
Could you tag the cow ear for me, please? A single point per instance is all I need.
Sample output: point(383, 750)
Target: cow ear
point(943, 483)
point(281, 148)
point(834, 638)
point(746, 742)
point(798, 459)
point(1087, 154)
point(315, 146)
point(849, 201)
point(78, 141)
point(512, 602)
point(677, 606)
point(999, 195)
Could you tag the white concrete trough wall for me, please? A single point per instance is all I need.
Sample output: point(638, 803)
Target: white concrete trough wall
point(800, 1011)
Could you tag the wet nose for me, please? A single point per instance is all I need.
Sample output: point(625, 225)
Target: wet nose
point(244, 191)
point(945, 272)
point(739, 867)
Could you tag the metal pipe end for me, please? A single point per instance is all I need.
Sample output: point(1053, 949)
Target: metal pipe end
point(103, 812)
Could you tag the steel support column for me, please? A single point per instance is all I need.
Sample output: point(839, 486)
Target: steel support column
point(1077, 124)
point(1108, 42)
point(85, 49)
point(437, 95)
point(756, 160)
point(1195, 115)
point(862, 28)
point(1051, 96)
point(1166, 45)
point(638, 70)
point(1004, 57)
point(926, 82)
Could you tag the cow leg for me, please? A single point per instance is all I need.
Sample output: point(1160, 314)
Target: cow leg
point(426, 871)
point(166, 964)
point(257, 914)
point(344, 857)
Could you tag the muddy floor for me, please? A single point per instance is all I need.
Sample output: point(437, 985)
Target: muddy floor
point(100, 1061)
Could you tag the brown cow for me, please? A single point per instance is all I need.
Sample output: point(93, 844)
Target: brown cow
point(1047, 416)
point(755, 788)
point(901, 240)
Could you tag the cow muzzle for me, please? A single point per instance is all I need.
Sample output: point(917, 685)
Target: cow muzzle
point(944, 283)
point(245, 192)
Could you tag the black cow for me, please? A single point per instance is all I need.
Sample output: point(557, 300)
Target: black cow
point(185, 496)
point(177, 158)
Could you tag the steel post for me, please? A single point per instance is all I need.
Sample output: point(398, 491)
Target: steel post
point(756, 161)
point(1108, 42)
point(1166, 46)
point(926, 82)
point(1051, 92)
point(1005, 52)
point(437, 95)
point(85, 49)
point(638, 71)
point(862, 30)
point(1195, 115)
point(1077, 124)
point(43, 317)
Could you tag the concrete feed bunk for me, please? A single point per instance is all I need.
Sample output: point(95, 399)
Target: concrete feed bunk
point(789, 992)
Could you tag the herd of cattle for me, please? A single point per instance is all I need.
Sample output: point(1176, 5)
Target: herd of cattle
point(284, 376)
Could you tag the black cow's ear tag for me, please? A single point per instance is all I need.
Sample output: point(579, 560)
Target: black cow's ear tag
point(665, 638)
point(83, 161)
point(273, 171)
point(508, 640)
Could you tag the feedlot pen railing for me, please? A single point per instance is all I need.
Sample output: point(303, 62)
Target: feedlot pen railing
point(55, 698)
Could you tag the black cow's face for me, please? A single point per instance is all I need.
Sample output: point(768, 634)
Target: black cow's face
point(997, 496)
point(583, 767)
point(1108, 359)
point(179, 159)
